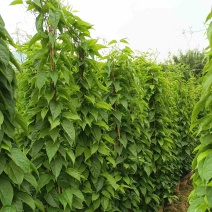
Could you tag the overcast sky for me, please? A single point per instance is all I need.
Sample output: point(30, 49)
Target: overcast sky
point(160, 25)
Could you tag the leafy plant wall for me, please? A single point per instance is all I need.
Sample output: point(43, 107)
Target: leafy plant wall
point(201, 196)
point(93, 132)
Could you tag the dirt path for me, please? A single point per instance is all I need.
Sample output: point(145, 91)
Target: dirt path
point(180, 205)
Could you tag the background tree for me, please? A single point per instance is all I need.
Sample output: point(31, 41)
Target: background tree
point(193, 61)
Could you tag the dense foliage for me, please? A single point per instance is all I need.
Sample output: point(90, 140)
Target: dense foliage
point(201, 196)
point(96, 133)
point(15, 169)
point(193, 62)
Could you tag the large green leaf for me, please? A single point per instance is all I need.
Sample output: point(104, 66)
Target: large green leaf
point(111, 180)
point(207, 167)
point(8, 209)
point(37, 2)
point(104, 105)
point(95, 167)
point(69, 128)
point(57, 165)
point(68, 195)
point(52, 148)
point(31, 179)
point(26, 198)
point(74, 173)
point(39, 22)
point(41, 78)
point(105, 203)
point(78, 194)
point(43, 180)
point(3, 163)
point(1, 118)
point(14, 172)
point(6, 192)
point(71, 155)
point(54, 17)
point(20, 160)
point(55, 109)
point(16, 2)
point(4, 53)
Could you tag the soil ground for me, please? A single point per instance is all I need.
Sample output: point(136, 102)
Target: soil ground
point(180, 205)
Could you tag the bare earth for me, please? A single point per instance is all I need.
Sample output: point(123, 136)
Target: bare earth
point(180, 205)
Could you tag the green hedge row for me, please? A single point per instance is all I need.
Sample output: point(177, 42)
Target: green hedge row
point(93, 132)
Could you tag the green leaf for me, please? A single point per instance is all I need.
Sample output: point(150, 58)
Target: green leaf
point(35, 38)
point(54, 17)
point(57, 166)
point(79, 150)
point(118, 115)
point(95, 196)
point(95, 167)
point(124, 41)
point(77, 203)
point(8, 209)
point(39, 205)
point(54, 123)
point(43, 180)
point(207, 167)
point(108, 138)
point(111, 180)
point(104, 203)
point(209, 32)
point(91, 99)
point(68, 195)
point(102, 124)
point(52, 199)
point(74, 173)
point(99, 184)
point(69, 129)
point(54, 76)
point(54, 134)
point(26, 198)
point(87, 154)
point(55, 109)
point(123, 141)
point(103, 149)
point(1, 119)
point(4, 53)
point(71, 155)
point(15, 173)
point(97, 132)
point(209, 196)
point(44, 112)
point(30, 178)
point(17, 2)
point(70, 116)
point(22, 122)
point(20, 160)
point(94, 148)
point(104, 105)
point(6, 191)
point(3, 163)
point(96, 204)
point(37, 2)
point(39, 22)
point(112, 161)
point(112, 42)
point(79, 194)
point(52, 148)
point(41, 79)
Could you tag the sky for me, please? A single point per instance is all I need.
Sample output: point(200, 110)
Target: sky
point(159, 26)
